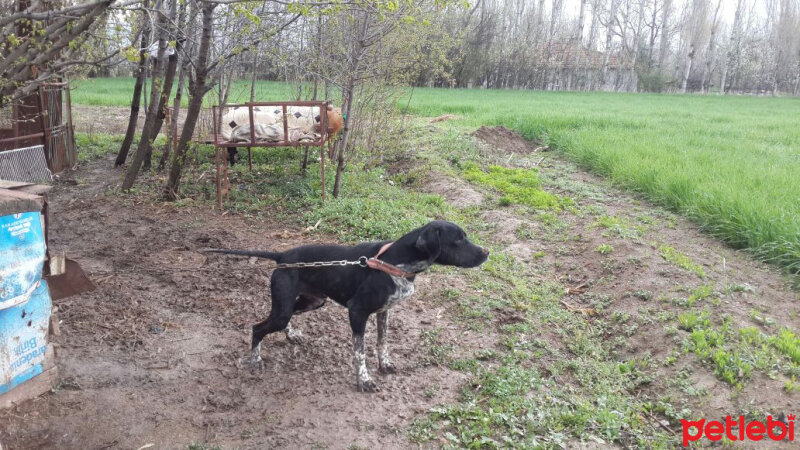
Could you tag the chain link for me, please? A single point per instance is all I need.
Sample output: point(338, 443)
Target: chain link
point(362, 261)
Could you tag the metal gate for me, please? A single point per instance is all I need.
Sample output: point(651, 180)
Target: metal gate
point(56, 116)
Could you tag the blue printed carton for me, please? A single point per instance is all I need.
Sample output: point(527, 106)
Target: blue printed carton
point(23, 338)
point(25, 304)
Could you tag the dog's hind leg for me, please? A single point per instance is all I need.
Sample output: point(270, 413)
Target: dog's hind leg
point(384, 362)
point(284, 292)
point(294, 335)
point(305, 302)
point(358, 322)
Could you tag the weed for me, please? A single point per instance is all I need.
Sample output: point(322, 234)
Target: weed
point(788, 343)
point(700, 293)
point(618, 226)
point(518, 186)
point(690, 320)
point(437, 352)
point(791, 386)
point(681, 260)
point(604, 249)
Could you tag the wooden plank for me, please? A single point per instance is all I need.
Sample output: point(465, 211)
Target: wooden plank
point(8, 184)
point(14, 201)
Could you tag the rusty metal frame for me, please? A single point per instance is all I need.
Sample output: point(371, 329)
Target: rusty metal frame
point(221, 162)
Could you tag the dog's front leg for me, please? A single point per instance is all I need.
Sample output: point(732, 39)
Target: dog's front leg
point(384, 362)
point(358, 322)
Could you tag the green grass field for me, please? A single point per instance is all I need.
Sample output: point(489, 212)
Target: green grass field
point(118, 91)
point(731, 164)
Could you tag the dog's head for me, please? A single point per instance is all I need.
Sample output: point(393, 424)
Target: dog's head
point(446, 243)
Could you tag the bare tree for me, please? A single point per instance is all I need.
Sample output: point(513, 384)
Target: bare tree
point(136, 100)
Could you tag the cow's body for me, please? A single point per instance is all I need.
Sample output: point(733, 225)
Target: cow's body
point(303, 123)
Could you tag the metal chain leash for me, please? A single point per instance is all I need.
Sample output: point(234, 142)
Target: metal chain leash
point(362, 262)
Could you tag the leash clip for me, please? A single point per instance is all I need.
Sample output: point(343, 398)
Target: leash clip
point(362, 261)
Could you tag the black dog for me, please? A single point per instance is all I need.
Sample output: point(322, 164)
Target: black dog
point(384, 277)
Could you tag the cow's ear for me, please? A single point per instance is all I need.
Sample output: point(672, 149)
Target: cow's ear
point(429, 241)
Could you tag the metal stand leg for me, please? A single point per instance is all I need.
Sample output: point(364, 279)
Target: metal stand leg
point(218, 164)
point(322, 170)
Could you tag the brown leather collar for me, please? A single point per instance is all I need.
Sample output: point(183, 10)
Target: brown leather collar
point(377, 264)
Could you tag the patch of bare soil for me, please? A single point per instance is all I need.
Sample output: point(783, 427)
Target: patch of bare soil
point(501, 138)
point(153, 355)
point(108, 119)
point(455, 191)
point(445, 118)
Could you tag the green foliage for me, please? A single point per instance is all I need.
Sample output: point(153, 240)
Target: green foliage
point(681, 260)
point(604, 249)
point(518, 186)
point(369, 208)
point(788, 343)
point(689, 320)
point(96, 146)
point(703, 292)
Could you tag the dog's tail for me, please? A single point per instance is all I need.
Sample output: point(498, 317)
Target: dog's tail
point(258, 254)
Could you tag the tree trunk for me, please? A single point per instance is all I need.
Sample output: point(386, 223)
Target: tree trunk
point(254, 77)
point(706, 84)
point(180, 38)
point(147, 137)
point(577, 47)
point(663, 45)
point(173, 125)
point(356, 54)
point(689, 61)
point(349, 91)
point(169, 80)
point(122, 155)
point(609, 38)
point(733, 44)
point(197, 90)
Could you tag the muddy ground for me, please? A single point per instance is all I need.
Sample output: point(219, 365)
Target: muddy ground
point(153, 355)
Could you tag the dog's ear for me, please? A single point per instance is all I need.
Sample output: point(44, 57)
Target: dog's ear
point(429, 242)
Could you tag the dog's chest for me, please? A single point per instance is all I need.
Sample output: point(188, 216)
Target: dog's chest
point(404, 288)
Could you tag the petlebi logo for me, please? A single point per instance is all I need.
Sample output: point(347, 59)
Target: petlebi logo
point(738, 430)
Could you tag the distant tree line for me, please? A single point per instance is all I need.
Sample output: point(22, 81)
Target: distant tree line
point(735, 46)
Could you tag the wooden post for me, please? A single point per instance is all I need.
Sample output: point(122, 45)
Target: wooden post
point(285, 127)
point(252, 136)
point(322, 170)
point(218, 164)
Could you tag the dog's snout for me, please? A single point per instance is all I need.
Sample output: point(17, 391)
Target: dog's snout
point(485, 251)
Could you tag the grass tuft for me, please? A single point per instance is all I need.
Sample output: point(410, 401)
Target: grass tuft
point(518, 186)
point(681, 260)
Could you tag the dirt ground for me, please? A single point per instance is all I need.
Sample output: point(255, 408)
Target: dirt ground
point(153, 355)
